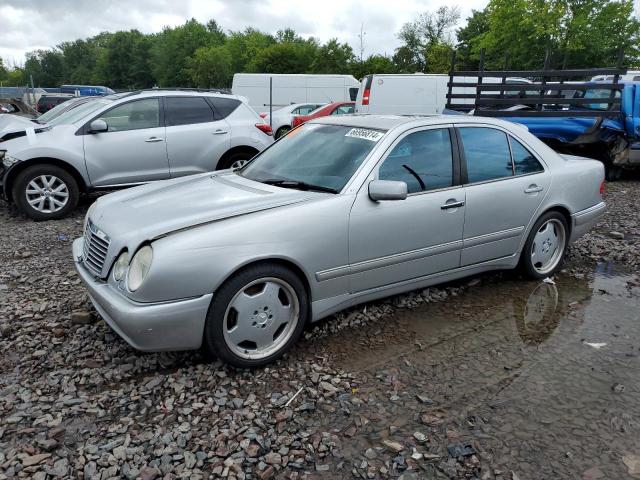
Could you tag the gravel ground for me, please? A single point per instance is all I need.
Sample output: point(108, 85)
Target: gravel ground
point(449, 382)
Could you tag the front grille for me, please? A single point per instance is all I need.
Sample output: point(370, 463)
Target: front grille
point(96, 246)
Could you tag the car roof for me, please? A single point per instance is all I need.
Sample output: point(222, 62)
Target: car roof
point(387, 122)
point(160, 92)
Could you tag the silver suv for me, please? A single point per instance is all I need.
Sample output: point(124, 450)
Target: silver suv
point(127, 139)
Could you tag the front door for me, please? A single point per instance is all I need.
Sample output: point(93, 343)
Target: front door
point(132, 150)
point(505, 187)
point(399, 240)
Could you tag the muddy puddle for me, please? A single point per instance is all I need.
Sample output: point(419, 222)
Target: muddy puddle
point(540, 380)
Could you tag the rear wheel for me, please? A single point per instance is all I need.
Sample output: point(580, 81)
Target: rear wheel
point(45, 192)
point(236, 159)
point(282, 131)
point(256, 316)
point(546, 246)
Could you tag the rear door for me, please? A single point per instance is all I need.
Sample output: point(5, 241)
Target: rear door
point(505, 185)
point(196, 139)
point(132, 150)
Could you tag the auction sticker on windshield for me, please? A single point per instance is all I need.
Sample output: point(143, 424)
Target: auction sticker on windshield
point(365, 133)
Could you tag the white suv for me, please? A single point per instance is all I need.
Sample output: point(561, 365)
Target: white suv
point(127, 139)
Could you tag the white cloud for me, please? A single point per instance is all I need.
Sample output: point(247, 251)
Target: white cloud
point(32, 24)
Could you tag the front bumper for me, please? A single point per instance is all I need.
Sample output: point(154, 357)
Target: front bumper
point(584, 220)
point(150, 327)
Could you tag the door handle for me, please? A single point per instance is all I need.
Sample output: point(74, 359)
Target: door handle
point(452, 203)
point(533, 188)
point(220, 132)
point(153, 139)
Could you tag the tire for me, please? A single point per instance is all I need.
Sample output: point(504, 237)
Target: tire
point(45, 192)
point(256, 316)
point(236, 160)
point(282, 131)
point(546, 246)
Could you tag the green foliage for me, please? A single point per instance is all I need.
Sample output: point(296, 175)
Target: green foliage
point(578, 33)
point(333, 57)
point(373, 64)
point(431, 31)
point(211, 67)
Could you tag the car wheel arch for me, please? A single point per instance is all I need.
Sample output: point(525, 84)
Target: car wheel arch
point(282, 261)
point(21, 166)
point(233, 150)
point(561, 209)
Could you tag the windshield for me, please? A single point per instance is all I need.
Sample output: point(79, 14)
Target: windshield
point(78, 113)
point(324, 156)
point(55, 111)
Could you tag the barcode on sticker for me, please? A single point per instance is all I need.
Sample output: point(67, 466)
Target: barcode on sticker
point(365, 133)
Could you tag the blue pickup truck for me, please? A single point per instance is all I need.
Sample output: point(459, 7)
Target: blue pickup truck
point(597, 119)
point(614, 140)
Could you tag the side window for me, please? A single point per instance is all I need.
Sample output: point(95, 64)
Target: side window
point(223, 106)
point(304, 110)
point(523, 159)
point(487, 153)
point(422, 160)
point(134, 115)
point(297, 111)
point(187, 111)
point(343, 110)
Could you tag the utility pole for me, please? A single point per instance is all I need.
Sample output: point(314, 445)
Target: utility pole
point(361, 36)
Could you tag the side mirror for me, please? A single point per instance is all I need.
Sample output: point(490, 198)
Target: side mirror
point(98, 126)
point(387, 190)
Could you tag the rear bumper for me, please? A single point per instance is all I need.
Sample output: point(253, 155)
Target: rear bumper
point(585, 219)
point(149, 327)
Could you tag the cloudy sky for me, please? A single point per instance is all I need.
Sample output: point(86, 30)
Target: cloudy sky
point(31, 24)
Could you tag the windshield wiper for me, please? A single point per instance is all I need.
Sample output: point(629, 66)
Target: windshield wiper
point(284, 183)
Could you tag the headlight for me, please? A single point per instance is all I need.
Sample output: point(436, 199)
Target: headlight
point(139, 267)
point(8, 160)
point(120, 267)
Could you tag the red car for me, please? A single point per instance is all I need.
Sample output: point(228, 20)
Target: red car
point(335, 108)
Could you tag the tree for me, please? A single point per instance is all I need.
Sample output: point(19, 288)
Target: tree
point(283, 58)
point(211, 67)
point(333, 57)
point(245, 46)
point(46, 67)
point(469, 38)
point(419, 37)
point(579, 33)
point(172, 47)
point(124, 61)
point(373, 64)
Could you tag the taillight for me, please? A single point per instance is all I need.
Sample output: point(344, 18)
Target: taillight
point(603, 187)
point(365, 96)
point(264, 128)
point(263, 115)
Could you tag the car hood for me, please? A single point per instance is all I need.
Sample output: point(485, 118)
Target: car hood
point(140, 214)
point(14, 123)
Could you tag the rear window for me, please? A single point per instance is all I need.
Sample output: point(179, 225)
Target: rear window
point(223, 106)
point(187, 111)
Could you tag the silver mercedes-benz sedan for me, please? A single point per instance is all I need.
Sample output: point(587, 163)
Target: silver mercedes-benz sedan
point(338, 212)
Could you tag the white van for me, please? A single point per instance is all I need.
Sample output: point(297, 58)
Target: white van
point(294, 88)
point(418, 93)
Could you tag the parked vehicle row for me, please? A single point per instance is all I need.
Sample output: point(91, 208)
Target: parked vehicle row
point(281, 120)
point(348, 209)
point(123, 140)
point(332, 109)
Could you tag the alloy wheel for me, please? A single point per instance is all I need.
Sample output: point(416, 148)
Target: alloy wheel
point(47, 193)
point(548, 246)
point(261, 318)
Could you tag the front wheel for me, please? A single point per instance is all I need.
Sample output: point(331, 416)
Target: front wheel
point(546, 246)
point(45, 192)
point(236, 160)
point(256, 316)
